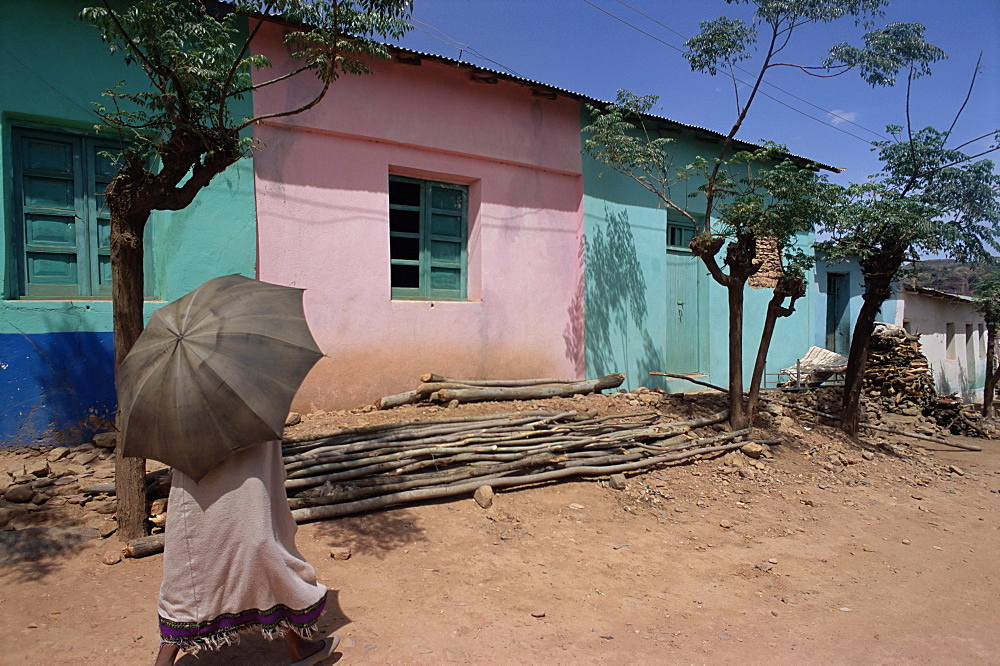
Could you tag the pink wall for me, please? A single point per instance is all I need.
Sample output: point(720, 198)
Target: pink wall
point(322, 190)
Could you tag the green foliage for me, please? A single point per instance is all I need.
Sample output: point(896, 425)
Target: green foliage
point(198, 58)
point(987, 299)
point(815, 11)
point(871, 221)
point(722, 41)
point(928, 198)
point(886, 51)
point(765, 193)
point(963, 190)
point(897, 47)
point(761, 192)
point(783, 197)
point(621, 136)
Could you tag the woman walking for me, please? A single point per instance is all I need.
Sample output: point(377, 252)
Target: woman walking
point(230, 563)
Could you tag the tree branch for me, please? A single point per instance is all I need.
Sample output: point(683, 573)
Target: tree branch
point(968, 94)
point(258, 86)
point(281, 114)
point(236, 65)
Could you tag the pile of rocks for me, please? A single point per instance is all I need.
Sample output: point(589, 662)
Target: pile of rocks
point(38, 481)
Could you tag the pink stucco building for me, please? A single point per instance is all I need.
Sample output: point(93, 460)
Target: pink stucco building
point(434, 217)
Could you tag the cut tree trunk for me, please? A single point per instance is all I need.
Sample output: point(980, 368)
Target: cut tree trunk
point(878, 287)
point(127, 290)
point(992, 374)
point(529, 392)
point(738, 417)
point(144, 546)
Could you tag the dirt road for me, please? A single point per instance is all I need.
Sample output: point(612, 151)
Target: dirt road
point(889, 558)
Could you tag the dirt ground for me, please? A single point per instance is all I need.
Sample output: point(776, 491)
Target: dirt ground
point(831, 551)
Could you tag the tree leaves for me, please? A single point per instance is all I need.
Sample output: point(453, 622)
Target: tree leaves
point(721, 42)
point(897, 47)
point(987, 298)
point(198, 61)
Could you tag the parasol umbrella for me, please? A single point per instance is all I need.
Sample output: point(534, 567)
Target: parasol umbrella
point(214, 373)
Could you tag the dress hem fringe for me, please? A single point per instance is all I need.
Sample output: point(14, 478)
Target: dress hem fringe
point(227, 637)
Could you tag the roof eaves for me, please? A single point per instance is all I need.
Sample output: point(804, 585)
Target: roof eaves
point(937, 293)
point(493, 73)
point(224, 5)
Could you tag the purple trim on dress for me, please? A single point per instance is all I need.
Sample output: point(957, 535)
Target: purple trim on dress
point(187, 633)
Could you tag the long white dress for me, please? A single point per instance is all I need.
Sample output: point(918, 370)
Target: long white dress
point(230, 561)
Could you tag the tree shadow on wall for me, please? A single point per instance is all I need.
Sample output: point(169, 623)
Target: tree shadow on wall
point(574, 333)
point(943, 386)
point(615, 294)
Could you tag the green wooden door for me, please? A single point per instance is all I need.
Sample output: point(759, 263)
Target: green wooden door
point(683, 312)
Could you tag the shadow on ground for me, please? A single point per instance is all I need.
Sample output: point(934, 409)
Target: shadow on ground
point(374, 534)
point(35, 552)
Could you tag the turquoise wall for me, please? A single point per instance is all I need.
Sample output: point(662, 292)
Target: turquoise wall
point(648, 307)
point(856, 286)
point(55, 356)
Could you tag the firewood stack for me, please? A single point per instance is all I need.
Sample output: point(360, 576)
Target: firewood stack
point(962, 419)
point(897, 377)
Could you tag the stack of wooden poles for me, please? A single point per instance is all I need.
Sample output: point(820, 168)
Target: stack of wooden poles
point(361, 469)
point(435, 388)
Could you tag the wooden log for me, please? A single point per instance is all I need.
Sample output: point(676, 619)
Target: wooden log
point(399, 399)
point(690, 379)
point(154, 481)
point(530, 392)
point(144, 546)
point(425, 389)
point(309, 477)
point(432, 378)
point(99, 489)
point(431, 433)
point(310, 471)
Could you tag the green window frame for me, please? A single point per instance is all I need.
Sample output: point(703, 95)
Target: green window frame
point(428, 232)
point(680, 231)
point(62, 228)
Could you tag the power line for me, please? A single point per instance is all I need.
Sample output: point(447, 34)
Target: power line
point(449, 41)
point(46, 81)
point(765, 94)
point(767, 83)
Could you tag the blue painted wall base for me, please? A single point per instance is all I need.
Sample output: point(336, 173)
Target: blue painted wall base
point(55, 388)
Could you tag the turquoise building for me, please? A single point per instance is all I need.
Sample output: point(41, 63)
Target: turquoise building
point(56, 359)
point(650, 303)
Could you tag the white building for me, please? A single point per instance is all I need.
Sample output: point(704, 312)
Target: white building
point(952, 337)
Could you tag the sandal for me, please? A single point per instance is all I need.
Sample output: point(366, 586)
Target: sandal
point(329, 645)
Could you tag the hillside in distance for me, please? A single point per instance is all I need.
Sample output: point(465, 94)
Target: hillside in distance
point(946, 275)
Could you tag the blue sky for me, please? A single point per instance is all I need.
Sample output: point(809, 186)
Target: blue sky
point(573, 44)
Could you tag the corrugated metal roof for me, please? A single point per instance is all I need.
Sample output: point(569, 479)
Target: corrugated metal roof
point(936, 293)
point(586, 98)
point(224, 5)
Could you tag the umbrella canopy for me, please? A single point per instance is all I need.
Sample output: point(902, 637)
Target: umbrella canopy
point(214, 373)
